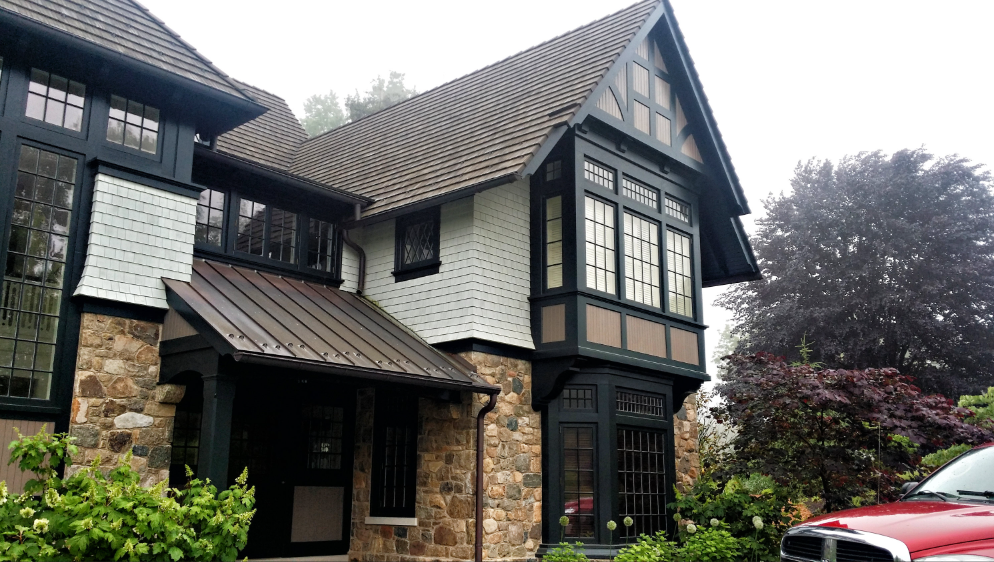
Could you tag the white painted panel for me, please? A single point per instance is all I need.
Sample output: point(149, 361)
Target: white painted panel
point(138, 235)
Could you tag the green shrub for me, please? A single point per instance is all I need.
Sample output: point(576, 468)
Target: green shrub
point(656, 548)
point(711, 544)
point(93, 516)
point(565, 553)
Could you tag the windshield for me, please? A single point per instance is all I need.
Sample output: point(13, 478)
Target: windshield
point(967, 478)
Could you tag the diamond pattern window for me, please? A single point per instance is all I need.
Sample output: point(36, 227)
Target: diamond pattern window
point(34, 276)
point(321, 246)
point(251, 227)
point(578, 480)
point(395, 442)
point(210, 218)
point(554, 242)
point(598, 174)
point(679, 274)
point(678, 210)
point(417, 245)
point(133, 124)
point(55, 100)
point(642, 481)
point(641, 260)
point(648, 196)
point(600, 237)
point(282, 235)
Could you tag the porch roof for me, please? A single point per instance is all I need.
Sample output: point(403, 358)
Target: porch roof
point(269, 319)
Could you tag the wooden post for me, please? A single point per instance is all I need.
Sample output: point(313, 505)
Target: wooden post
point(215, 429)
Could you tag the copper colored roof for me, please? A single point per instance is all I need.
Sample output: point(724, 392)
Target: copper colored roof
point(128, 28)
point(482, 127)
point(270, 139)
point(264, 318)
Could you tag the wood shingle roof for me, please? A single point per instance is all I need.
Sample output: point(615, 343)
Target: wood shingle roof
point(128, 28)
point(483, 127)
point(270, 139)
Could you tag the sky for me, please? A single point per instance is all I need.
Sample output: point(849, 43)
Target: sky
point(788, 80)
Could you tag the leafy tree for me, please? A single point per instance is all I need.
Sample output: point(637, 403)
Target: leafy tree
point(381, 95)
point(882, 262)
point(837, 434)
point(322, 113)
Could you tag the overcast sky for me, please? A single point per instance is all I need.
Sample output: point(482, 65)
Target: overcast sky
point(787, 80)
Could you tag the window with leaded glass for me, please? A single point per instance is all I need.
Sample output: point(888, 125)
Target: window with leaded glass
point(251, 227)
point(635, 191)
point(282, 235)
point(642, 462)
point(677, 209)
point(598, 174)
point(210, 218)
point(34, 276)
point(554, 242)
point(417, 245)
point(578, 480)
point(641, 260)
point(133, 124)
point(600, 240)
point(395, 442)
point(679, 273)
point(55, 100)
point(186, 442)
point(324, 428)
point(321, 246)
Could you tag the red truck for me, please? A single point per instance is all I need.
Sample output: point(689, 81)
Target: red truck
point(948, 517)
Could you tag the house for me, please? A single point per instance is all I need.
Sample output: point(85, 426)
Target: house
point(463, 316)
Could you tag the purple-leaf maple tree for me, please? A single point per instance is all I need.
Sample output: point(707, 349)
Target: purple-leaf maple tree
point(831, 433)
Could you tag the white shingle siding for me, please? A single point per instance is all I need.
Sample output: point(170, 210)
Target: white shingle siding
point(482, 287)
point(138, 235)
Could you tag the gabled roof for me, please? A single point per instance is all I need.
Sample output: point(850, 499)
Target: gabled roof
point(481, 128)
point(128, 28)
point(270, 139)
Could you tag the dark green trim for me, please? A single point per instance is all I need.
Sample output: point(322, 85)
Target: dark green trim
point(148, 179)
point(484, 346)
point(94, 305)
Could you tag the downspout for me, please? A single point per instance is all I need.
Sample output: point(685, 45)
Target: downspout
point(361, 283)
point(479, 473)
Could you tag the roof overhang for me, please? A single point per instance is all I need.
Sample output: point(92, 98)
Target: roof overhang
point(270, 320)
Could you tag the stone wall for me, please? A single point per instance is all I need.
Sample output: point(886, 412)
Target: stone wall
point(446, 501)
point(117, 404)
point(688, 460)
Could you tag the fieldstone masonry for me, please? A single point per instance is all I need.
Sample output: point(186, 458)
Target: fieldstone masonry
point(118, 405)
point(688, 460)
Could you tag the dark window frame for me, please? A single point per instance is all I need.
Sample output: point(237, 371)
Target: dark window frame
point(154, 156)
point(25, 82)
point(393, 411)
point(422, 268)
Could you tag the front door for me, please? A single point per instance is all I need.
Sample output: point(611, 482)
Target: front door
point(298, 446)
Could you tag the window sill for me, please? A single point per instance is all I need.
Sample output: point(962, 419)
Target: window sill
point(394, 521)
point(416, 272)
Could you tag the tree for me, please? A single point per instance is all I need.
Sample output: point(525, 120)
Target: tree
point(322, 113)
point(838, 434)
point(881, 262)
point(381, 95)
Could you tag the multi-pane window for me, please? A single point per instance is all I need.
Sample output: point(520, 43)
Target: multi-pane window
point(554, 242)
point(324, 427)
point(598, 174)
point(681, 286)
point(210, 218)
point(678, 210)
point(251, 227)
point(554, 170)
point(579, 495)
point(186, 443)
point(641, 404)
point(321, 245)
point(133, 124)
point(645, 195)
point(282, 235)
point(417, 245)
point(31, 298)
point(579, 398)
point(55, 100)
point(395, 441)
point(641, 260)
point(599, 222)
point(642, 481)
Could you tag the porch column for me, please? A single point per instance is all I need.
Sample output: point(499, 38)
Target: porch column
point(215, 429)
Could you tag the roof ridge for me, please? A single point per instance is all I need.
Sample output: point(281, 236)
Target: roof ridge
point(482, 68)
point(193, 50)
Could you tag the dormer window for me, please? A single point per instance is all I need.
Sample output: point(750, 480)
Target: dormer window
point(55, 100)
point(133, 124)
point(417, 245)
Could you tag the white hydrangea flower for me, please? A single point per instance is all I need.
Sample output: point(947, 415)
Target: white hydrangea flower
point(715, 522)
point(40, 525)
point(691, 528)
point(757, 522)
point(27, 512)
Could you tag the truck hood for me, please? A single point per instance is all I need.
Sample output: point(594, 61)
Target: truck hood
point(918, 524)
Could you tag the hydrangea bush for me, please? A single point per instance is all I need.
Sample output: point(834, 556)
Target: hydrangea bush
point(95, 516)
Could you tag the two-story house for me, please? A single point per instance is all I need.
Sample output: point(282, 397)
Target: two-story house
point(428, 333)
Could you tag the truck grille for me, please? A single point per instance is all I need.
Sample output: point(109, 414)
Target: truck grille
point(808, 548)
point(812, 549)
point(858, 552)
